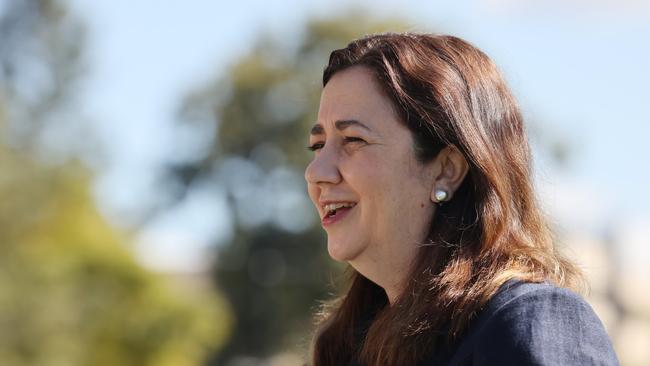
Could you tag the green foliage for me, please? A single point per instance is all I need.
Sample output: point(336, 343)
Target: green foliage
point(272, 279)
point(71, 294)
point(70, 291)
point(275, 269)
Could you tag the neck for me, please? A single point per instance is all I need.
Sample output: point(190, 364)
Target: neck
point(391, 279)
point(392, 296)
point(388, 268)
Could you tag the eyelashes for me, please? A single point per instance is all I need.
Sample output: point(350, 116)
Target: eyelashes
point(316, 146)
point(346, 140)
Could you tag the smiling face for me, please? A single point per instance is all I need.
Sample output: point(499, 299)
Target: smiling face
point(364, 161)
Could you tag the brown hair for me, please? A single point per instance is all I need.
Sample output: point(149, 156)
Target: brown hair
point(448, 93)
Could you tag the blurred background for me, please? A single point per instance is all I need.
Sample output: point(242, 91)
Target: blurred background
point(152, 203)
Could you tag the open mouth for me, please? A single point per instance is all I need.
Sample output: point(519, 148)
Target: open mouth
point(336, 211)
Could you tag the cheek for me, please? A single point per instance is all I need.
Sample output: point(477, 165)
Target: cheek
point(313, 192)
point(397, 188)
point(375, 189)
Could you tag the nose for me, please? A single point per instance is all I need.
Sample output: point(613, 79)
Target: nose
point(323, 168)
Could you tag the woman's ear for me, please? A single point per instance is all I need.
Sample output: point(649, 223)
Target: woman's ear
point(452, 167)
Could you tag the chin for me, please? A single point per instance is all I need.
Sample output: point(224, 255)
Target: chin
point(342, 251)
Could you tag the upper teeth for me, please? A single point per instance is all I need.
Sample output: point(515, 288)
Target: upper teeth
point(335, 206)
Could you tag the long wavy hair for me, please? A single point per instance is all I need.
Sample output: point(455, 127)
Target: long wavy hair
point(447, 92)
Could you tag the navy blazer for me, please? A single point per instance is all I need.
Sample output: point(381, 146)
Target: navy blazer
point(531, 324)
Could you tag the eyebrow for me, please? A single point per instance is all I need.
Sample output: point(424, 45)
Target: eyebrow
point(340, 125)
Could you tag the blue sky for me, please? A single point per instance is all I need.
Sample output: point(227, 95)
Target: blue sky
point(580, 70)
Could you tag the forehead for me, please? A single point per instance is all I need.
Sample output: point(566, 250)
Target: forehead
point(354, 94)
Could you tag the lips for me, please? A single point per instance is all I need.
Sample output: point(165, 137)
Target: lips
point(336, 212)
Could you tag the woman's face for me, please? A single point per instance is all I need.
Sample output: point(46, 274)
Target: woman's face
point(371, 193)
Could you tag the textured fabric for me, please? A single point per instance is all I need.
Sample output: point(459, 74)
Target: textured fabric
point(532, 324)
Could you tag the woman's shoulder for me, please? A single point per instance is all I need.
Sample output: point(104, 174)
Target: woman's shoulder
point(527, 296)
point(535, 323)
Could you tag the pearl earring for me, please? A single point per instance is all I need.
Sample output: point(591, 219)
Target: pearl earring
point(441, 195)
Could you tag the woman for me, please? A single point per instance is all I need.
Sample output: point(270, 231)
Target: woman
point(421, 175)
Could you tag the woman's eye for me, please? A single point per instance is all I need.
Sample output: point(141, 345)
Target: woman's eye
point(348, 140)
point(316, 146)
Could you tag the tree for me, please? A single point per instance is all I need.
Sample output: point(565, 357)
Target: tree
point(252, 126)
point(70, 291)
point(40, 64)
